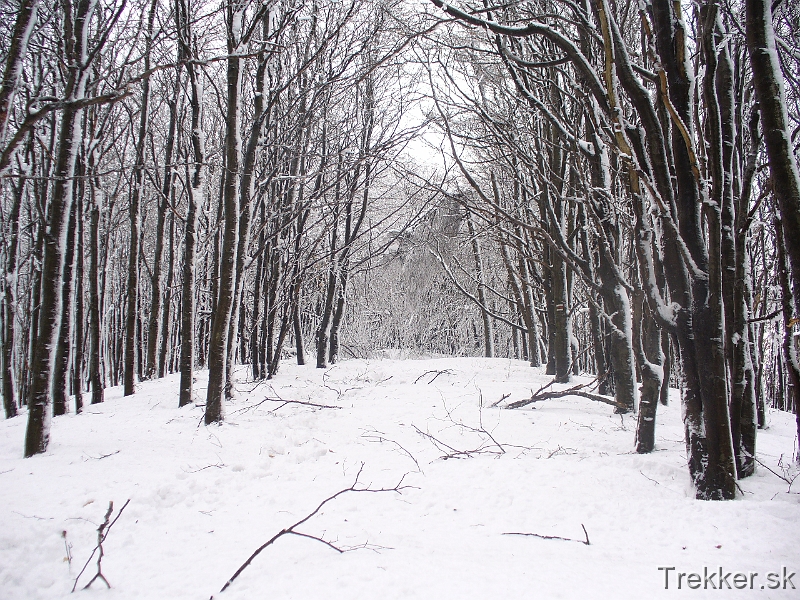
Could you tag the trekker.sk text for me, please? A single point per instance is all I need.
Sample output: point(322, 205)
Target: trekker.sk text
point(719, 579)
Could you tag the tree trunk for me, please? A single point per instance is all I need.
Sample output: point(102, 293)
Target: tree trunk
point(769, 86)
point(649, 354)
point(95, 325)
point(165, 309)
point(132, 314)
point(151, 368)
point(196, 191)
point(788, 345)
point(218, 344)
point(77, 361)
point(488, 332)
point(9, 312)
point(61, 367)
point(37, 435)
point(15, 59)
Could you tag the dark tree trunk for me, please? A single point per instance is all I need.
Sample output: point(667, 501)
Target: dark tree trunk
point(37, 435)
point(61, 366)
point(196, 189)
point(165, 309)
point(650, 356)
point(15, 59)
point(488, 332)
point(77, 378)
point(151, 367)
point(9, 313)
point(255, 363)
point(132, 314)
point(769, 86)
point(246, 190)
point(218, 344)
point(788, 345)
point(95, 326)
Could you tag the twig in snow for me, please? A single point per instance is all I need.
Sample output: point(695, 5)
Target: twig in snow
point(4, 472)
point(649, 478)
point(291, 530)
point(219, 465)
point(488, 445)
point(577, 390)
point(437, 373)
point(561, 449)
point(786, 479)
point(378, 436)
point(326, 377)
point(101, 457)
point(502, 399)
point(554, 537)
point(451, 452)
point(284, 403)
point(102, 534)
point(33, 516)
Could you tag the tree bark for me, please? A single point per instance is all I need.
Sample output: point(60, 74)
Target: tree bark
point(37, 434)
point(218, 344)
point(196, 191)
point(9, 302)
point(95, 324)
point(488, 331)
point(769, 86)
point(15, 59)
point(151, 367)
point(61, 366)
point(132, 313)
point(77, 360)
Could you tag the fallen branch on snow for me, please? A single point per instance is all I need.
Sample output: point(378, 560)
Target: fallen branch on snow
point(378, 436)
point(437, 373)
point(102, 534)
point(554, 537)
point(284, 403)
point(489, 446)
point(786, 479)
point(577, 390)
point(291, 530)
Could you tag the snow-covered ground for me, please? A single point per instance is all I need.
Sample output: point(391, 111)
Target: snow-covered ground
point(202, 499)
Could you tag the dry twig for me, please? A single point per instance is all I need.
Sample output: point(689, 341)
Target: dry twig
point(102, 534)
point(291, 530)
point(577, 390)
point(554, 537)
point(436, 374)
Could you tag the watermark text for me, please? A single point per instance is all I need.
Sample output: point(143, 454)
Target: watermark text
point(720, 579)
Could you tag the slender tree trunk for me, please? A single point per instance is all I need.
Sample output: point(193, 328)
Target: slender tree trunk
point(196, 191)
point(255, 363)
point(218, 346)
point(165, 309)
point(488, 332)
point(15, 59)
point(9, 303)
point(95, 325)
point(132, 314)
point(77, 378)
point(788, 345)
point(650, 356)
point(155, 282)
point(61, 367)
point(37, 435)
point(769, 86)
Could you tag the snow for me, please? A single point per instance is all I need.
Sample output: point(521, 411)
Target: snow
point(202, 499)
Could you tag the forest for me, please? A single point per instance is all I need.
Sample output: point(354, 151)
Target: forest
point(602, 188)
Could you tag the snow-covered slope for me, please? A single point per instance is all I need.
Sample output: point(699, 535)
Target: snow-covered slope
point(202, 499)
